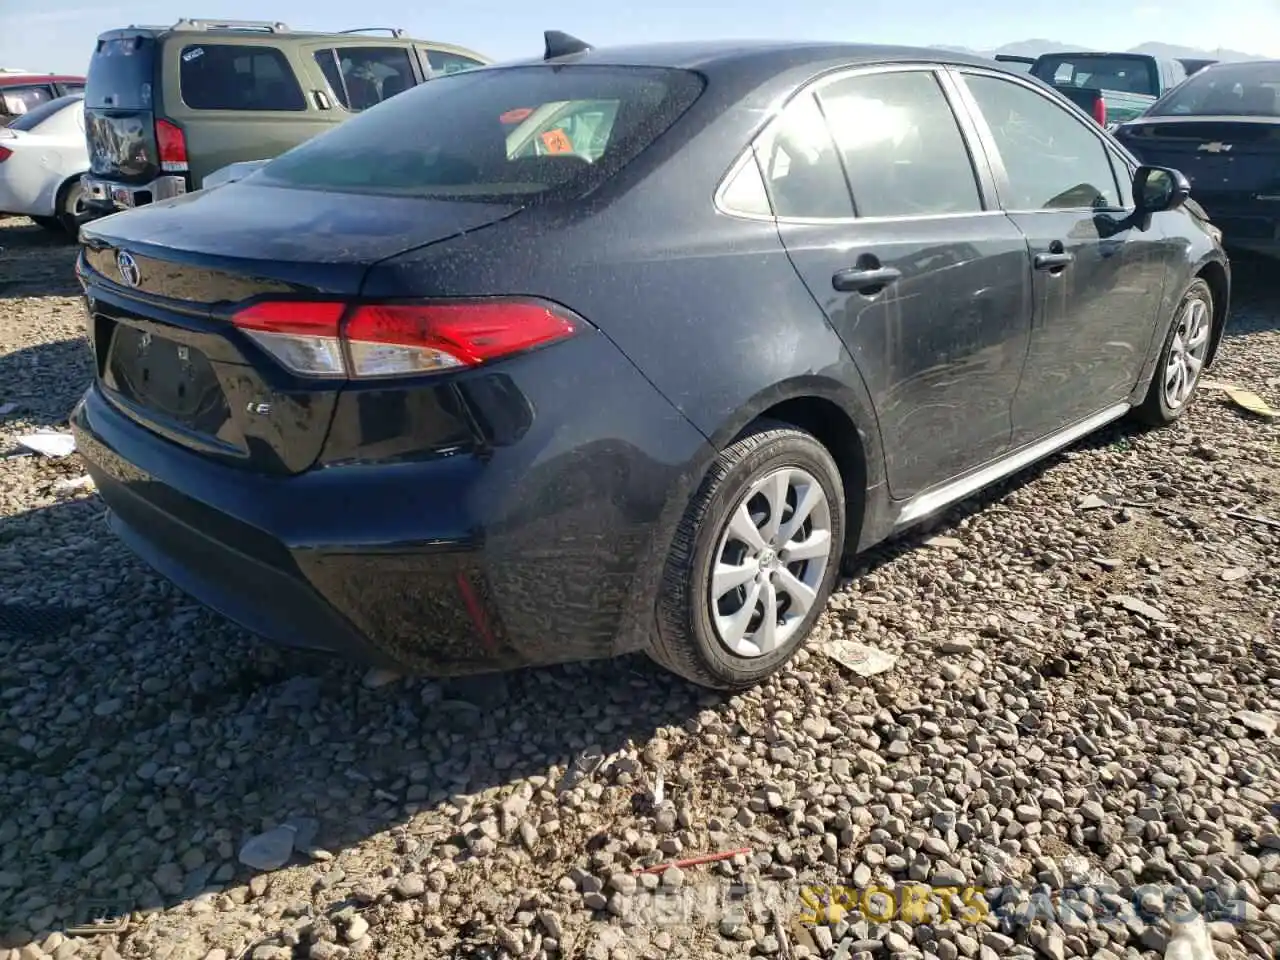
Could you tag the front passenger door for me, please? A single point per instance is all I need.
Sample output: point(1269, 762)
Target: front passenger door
point(1098, 276)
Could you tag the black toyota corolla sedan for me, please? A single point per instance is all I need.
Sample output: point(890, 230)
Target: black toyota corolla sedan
point(626, 349)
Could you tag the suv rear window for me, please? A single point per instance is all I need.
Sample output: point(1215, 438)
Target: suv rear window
point(515, 133)
point(222, 76)
point(121, 72)
point(1118, 73)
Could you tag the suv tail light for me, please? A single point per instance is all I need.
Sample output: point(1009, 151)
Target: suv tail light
point(5, 154)
point(171, 143)
point(1100, 110)
point(325, 339)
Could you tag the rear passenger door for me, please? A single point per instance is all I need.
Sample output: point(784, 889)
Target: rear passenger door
point(887, 215)
point(235, 101)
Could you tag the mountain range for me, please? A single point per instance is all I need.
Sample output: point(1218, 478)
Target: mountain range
point(1035, 48)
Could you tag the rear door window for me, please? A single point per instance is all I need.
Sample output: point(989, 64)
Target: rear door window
point(217, 76)
point(361, 77)
point(518, 133)
point(901, 145)
point(443, 61)
point(801, 165)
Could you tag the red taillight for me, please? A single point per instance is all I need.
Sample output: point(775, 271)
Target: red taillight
point(171, 142)
point(5, 154)
point(391, 340)
point(1100, 110)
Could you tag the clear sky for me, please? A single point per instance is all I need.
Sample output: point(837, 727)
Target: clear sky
point(58, 35)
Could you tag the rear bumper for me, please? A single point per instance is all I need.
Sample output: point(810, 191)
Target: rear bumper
point(106, 196)
point(542, 552)
point(273, 602)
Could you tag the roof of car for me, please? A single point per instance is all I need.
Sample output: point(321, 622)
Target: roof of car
point(278, 31)
point(700, 55)
point(15, 79)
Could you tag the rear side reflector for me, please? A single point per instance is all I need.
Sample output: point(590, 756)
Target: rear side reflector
point(5, 154)
point(171, 143)
point(396, 340)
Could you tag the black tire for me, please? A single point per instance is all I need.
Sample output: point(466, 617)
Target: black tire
point(686, 642)
point(1156, 410)
point(69, 217)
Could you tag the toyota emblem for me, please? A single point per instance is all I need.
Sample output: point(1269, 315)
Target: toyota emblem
point(130, 276)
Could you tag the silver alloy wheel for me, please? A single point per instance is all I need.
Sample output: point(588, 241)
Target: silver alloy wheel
point(770, 562)
point(1187, 352)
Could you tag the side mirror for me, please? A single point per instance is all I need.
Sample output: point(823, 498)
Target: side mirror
point(1156, 189)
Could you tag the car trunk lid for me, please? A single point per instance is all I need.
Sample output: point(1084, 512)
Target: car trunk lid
point(163, 282)
point(118, 108)
point(1235, 155)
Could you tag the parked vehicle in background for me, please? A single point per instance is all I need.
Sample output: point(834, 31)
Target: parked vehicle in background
point(1110, 87)
point(1194, 66)
point(1222, 129)
point(1023, 64)
point(610, 367)
point(42, 156)
point(22, 91)
point(166, 106)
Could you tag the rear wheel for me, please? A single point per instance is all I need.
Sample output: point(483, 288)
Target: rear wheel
point(1182, 358)
point(753, 561)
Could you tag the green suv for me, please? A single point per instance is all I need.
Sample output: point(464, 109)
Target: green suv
point(167, 106)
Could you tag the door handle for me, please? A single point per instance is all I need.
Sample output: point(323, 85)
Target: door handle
point(869, 281)
point(1054, 262)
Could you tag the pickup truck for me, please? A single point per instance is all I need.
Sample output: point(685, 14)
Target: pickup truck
point(1111, 87)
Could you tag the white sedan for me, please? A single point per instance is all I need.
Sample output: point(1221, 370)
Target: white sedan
point(42, 155)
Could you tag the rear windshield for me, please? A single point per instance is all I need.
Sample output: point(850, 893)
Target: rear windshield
point(515, 133)
point(121, 73)
point(33, 118)
point(1233, 90)
point(1121, 74)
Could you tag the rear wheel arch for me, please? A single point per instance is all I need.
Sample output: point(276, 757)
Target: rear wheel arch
point(833, 427)
point(839, 413)
point(68, 221)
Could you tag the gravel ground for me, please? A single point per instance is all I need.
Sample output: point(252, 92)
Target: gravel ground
point(1085, 695)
